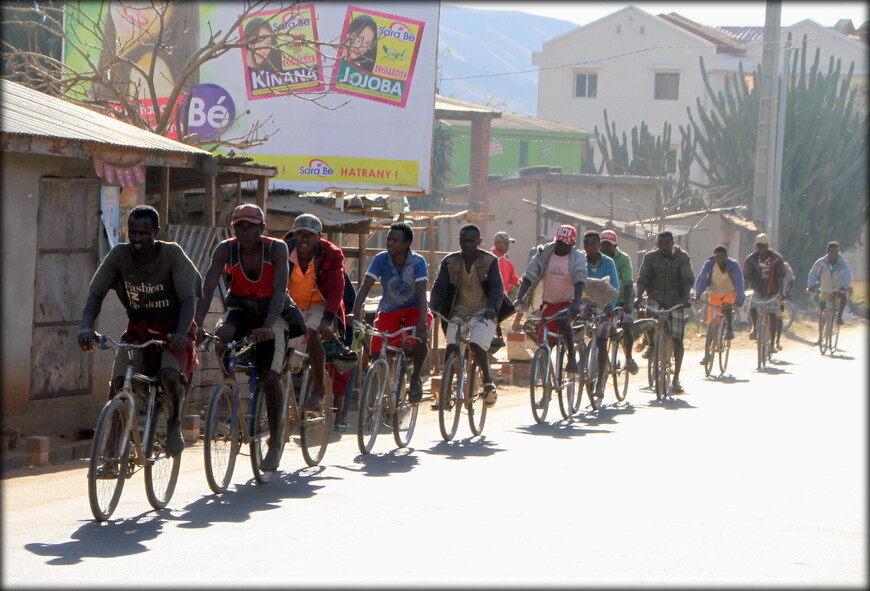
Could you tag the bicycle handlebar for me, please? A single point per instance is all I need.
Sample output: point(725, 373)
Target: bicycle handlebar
point(102, 338)
point(655, 310)
point(545, 318)
point(386, 335)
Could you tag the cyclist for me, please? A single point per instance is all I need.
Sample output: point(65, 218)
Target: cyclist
point(554, 281)
point(316, 283)
point(787, 286)
point(625, 299)
point(600, 266)
point(721, 275)
point(255, 267)
point(831, 273)
point(666, 275)
point(404, 277)
point(468, 287)
point(501, 242)
point(158, 286)
point(763, 271)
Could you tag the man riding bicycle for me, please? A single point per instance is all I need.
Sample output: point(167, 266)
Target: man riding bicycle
point(831, 273)
point(554, 281)
point(255, 268)
point(625, 299)
point(404, 277)
point(666, 276)
point(158, 285)
point(469, 288)
point(764, 272)
point(600, 266)
point(721, 275)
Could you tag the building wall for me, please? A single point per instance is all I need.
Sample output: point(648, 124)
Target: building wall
point(548, 149)
point(21, 174)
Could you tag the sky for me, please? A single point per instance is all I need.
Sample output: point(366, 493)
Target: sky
point(722, 14)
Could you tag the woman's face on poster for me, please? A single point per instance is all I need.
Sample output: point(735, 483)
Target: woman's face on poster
point(260, 47)
point(361, 42)
point(134, 20)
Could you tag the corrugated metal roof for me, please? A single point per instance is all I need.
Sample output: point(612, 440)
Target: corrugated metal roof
point(509, 120)
point(744, 34)
point(29, 112)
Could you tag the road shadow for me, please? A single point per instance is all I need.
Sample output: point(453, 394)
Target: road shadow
point(726, 379)
point(774, 361)
point(384, 464)
point(111, 539)
point(460, 449)
point(238, 503)
point(770, 370)
point(671, 403)
point(607, 414)
point(839, 355)
point(563, 429)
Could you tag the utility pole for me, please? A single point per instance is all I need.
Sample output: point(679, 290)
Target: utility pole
point(776, 196)
point(765, 157)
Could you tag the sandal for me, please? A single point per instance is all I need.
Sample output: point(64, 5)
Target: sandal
point(490, 395)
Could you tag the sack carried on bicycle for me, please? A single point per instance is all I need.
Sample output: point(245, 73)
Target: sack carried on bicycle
point(340, 355)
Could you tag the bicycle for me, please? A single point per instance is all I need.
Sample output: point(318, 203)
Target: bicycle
point(461, 385)
point(829, 328)
point(764, 334)
point(616, 367)
point(129, 436)
point(716, 343)
point(386, 374)
point(546, 373)
point(229, 423)
point(591, 326)
point(789, 312)
point(663, 351)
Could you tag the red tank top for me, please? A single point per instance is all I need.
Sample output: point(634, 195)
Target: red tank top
point(240, 284)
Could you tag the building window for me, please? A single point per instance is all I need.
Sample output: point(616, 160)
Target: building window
point(618, 29)
point(642, 29)
point(667, 86)
point(671, 162)
point(585, 85)
point(524, 153)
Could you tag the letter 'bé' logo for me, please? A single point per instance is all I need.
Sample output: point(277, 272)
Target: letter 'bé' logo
point(316, 167)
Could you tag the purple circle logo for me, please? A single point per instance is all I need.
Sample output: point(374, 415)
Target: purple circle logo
point(210, 111)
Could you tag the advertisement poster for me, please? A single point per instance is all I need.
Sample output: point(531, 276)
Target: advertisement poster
point(354, 111)
point(109, 204)
point(379, 63)
point(129, 199)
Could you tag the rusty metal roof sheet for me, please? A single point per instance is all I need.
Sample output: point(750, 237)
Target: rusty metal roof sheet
point(25, 111)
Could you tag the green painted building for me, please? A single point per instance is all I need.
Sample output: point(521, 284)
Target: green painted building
point(516, 142)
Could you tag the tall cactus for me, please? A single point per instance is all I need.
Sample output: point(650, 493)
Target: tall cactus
point(824, 173)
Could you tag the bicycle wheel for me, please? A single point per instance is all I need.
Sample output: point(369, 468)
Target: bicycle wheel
point(724, 351)
point(835, 329)
point(662, 356)
point(370, 407)
point(161, 470)
point(448, 400)
point(710, 347)
point(476, 400)
point(788, 313)
point(260, 436)
point(221, 445)
point(824, 317)
point(405, 415)
point(317, 425)
point(619, 369)
point(762, 342)
point(567, 386)
point(579, 379)
point(539, 384)
point(107, 470)
point(651, 372)
point(592, 376)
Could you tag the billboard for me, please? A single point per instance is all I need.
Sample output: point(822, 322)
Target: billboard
point(361, 111)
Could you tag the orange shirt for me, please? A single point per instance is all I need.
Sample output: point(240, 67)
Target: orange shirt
point(303, 286)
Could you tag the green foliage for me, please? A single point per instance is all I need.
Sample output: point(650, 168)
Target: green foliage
point(442, 155)
point(824, 176)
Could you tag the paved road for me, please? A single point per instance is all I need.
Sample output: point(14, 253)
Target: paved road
point(758, 479)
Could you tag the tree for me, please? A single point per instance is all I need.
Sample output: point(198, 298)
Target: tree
point(824, 164)
point(143, 76)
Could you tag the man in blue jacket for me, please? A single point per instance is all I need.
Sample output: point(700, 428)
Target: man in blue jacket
point(723, 277)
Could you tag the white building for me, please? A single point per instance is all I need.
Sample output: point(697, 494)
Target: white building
point(645, 68)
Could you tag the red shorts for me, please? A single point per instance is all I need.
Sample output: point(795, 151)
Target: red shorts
point(395, 320)
point(552, 325)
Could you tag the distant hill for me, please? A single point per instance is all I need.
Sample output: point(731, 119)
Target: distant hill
point(483, 42)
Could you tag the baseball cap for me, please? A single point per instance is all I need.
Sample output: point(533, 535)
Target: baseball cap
point(608, 236)
point(502, 237)
point(248, 212)
point(762, 239)
point(567, 234)
point(309, 222)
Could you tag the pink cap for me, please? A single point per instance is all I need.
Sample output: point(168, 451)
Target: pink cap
point(567, 234)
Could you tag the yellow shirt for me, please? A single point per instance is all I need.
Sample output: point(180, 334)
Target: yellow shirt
point(471, 299)
point(720, 281)
point(303, 286)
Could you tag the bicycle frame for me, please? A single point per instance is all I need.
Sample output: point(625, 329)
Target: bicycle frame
point(665, 356)
point(385, 357)
point(764, 330)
